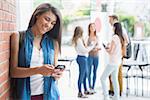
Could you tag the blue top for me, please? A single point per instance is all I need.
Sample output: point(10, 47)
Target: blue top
point(22, 85)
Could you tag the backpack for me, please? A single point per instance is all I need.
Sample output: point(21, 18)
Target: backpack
point(13, 87)
point(128, 51)
point(21, 37)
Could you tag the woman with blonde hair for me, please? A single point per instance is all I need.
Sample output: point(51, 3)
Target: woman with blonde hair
point(82, 54)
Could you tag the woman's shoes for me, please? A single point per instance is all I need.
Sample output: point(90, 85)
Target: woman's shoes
point(111, 93)
point(120, 93)
point(80, 95)
point(88, 93)
point(92, 91)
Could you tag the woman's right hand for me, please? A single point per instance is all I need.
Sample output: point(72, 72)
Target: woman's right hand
point(57, 73)
point(107, 46)
point(46, 70)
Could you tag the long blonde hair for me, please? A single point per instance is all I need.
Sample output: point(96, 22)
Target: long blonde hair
point(78, 32)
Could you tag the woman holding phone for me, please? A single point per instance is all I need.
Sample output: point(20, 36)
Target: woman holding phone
point(33, 63)
point(115, 50)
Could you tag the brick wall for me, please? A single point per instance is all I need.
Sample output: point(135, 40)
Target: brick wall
point(7, 26)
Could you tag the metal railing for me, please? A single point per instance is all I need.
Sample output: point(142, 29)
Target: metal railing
point(138, 68)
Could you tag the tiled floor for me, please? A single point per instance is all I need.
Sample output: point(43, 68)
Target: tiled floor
point(71, 94)
point(68, 88)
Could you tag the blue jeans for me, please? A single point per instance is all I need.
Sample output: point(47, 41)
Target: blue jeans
point(111, 69)
point(92, 61)
point(82, 62)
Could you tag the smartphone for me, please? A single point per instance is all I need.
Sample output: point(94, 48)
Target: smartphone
point(104, 45)
point(60, 67)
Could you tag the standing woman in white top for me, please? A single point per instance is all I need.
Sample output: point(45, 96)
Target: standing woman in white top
point(115, 50)
point(82, 52)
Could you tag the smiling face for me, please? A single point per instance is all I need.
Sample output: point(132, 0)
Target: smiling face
point(92, 28)
point(45, 22)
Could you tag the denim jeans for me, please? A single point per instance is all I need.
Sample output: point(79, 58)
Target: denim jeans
point(92, 61)
point(113, 70)
point(82, 62)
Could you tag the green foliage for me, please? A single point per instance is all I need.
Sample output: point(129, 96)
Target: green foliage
point(83, 11)
point(129, 22)
point(146, 29)
point(66, 20)
point(56, 3)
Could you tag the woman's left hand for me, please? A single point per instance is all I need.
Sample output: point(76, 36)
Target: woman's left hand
point(57, 73)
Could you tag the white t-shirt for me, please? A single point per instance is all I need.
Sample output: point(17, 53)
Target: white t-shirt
point(116, 55)
point(97, 46)
point(97, 41)
point(81, 49)
point(37, 81)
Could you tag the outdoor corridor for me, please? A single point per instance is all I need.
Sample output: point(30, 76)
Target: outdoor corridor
point(68, 83)
point(69, 91)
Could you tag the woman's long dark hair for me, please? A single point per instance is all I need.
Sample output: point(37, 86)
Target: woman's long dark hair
point(118, 31)
point(56, 31)
point(89, 29)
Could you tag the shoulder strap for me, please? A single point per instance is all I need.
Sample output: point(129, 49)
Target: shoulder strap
point(129, 38)
point(21, 37)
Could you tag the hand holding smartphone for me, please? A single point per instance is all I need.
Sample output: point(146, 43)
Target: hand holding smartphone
point(105, 46)
point(58, 71)
point(62, 67)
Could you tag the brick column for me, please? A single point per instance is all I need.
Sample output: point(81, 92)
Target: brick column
point(7, 26)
